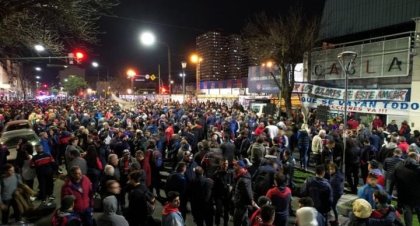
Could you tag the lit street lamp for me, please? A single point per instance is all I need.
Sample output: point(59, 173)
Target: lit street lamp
point(39, 48)
point(131, 74)
point(196, 59)
point(38, 69)
point(184, 65)
point(38, 77)
point(95, 64)
point(346, 60)
point(147, 38)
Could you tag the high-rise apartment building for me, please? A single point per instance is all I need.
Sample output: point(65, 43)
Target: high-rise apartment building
point(223, 56)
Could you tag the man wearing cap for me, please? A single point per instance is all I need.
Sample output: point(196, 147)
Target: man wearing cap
point(366, 192)
point(125, 163)
point(65, 214)
point(373, 167)
point(242, 195)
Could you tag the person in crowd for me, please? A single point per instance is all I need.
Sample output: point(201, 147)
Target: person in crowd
point(373, 167)
point(72, 146)
point(80, 187)
point(28, 173)
point(178, 182)
point(9, 183)
point(65, 215)
point(242, 195)
point(337, 185)
point(384, 210)
point(202, 198)
point(307, 215)
point(319, 189)
point(268, 214)
point(113, 161)
point(256, 151)
point(112, 188)
point(141, 201)
point(228, 149)
point(75, 159)
point(110, 217)
point(317, 146)
point(367, 190)
point(280, 196)
point(368, 153)
point(303, 141)
point(408, 187)
point(404, 130)
point(377, 122)
point(94, 166)
point(171, 216)
point(255, 218)
point(352, 160)
point(392, 127)
point(45, 166)
point(288, 164)
point(389, 166)
point(222, 191)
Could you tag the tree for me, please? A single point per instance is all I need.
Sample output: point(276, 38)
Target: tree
point(284, 40)
point(74, 84)
point(56, 25)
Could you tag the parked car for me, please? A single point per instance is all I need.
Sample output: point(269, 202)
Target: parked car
point(11, 139)
point(17, 125)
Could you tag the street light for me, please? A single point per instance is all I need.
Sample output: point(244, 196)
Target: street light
point(38, 77)
point(184, 65)
point(131, 73)
point(196, 59)
point(147, 38)
point(95, 64)
point(39, 48)
point(346, 60)
point(38, 69)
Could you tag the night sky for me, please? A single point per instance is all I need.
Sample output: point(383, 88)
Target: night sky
point(177, 23)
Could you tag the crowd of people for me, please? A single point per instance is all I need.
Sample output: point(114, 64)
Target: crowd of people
point(225, 161)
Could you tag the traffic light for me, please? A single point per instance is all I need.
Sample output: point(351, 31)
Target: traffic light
point(79, 56)
point(45, 86)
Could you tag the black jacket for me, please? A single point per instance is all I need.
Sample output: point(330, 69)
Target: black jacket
point(222, 181)
point(319, 189)
point(243, 191)
point(408, 188)
point(201, 192)
point(137, 211)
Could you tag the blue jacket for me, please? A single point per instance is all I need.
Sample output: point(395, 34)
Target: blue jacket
point(366, 192)
point(319, 189)
point(45, 146)
point(337, 184)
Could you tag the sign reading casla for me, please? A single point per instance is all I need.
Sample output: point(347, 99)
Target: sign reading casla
point(389, 58)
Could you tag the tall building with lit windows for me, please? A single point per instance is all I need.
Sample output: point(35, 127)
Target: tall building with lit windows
point(223, 56)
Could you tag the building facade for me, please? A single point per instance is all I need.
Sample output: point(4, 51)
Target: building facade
point(385, 77)
point(223, 56)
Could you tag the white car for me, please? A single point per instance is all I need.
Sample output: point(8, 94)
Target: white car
point(12, 138)
point(17, 125)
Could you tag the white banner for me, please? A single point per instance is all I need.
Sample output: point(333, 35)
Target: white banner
point(352, 94)
point(370, 106)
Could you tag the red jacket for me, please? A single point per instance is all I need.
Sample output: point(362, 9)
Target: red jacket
point(83, 196)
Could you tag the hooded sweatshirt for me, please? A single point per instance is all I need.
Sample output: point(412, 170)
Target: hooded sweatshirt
point(171, 216)
point(109, 217)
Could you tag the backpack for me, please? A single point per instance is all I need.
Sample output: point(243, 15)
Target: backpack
point(63, 221)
